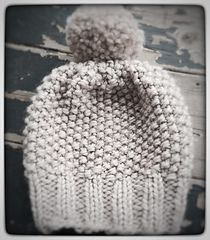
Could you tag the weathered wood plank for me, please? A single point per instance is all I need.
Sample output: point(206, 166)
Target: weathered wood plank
point(18, 214)
point(25, 70)
point(43, 52)
point(199, 147)
point(13, 145)
point(198, 122)
point(195, 103)
point(27, 24)
point(190, 82)
point(14, 138)
point(195, 211)
point(175, 41)
point(199, 169)
point(20, 95)
point(15, 112)
point(179, 38)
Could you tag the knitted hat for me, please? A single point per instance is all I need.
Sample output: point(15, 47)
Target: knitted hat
point(107, 142)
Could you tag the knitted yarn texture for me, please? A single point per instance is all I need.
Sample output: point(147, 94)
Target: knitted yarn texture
point(108, 148)
point(105, 33)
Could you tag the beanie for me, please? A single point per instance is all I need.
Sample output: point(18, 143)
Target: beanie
point(108, 138)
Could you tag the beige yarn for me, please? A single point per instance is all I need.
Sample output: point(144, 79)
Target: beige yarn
point(108, 148)
point(105, 33)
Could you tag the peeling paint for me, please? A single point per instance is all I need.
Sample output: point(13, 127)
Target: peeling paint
point(24, 48)
point(21, 95)
point(149, 55)
point(157, 39)
point(192, 41)
point(13, 137)
point(40, 51)
point(14, 145)
point(14, 140)
point(60, 28)
point(179, 29)
point(50, 43)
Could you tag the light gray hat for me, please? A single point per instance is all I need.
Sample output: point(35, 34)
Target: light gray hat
point(107, 140)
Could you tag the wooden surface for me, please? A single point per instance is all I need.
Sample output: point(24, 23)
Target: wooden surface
point(35, 44)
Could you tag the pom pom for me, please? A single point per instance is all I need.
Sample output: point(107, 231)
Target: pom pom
point(103, 33)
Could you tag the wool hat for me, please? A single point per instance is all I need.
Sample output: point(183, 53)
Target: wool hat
point(108, 139)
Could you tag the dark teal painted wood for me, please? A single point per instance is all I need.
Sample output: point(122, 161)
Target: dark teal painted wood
point(167, 49)
point(18, 214)
point(193, 213)
point(25, 70)
point(15, 112)
point(26, 24)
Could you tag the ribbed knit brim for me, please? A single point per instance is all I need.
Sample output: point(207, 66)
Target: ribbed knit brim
point(145, 205)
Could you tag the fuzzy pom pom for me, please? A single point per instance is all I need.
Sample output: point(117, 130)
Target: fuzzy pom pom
point(103, 33)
